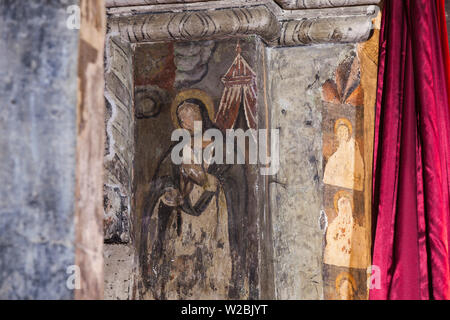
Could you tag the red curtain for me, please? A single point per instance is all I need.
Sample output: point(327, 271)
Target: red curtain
point(411, 178)
point(442, 23)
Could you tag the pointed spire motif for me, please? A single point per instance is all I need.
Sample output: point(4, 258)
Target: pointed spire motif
point(240, 90)
point(238, 48)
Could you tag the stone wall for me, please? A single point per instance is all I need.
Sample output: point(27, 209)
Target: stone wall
point(313, 91)
point(119, 169)
point(296, 192)
point(38, 98)
point(309, 93)
point(294, 87)
point(305, 92)
point(51, 159)
point(119, 150)
point(119, 272)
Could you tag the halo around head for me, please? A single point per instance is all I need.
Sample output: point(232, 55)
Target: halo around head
point(192, 94)
point(343, 122)
point(342, 276)
point(342, 194)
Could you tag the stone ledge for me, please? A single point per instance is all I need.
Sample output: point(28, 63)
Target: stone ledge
point(325, 30)
point(315, 4)
point(198, 25)
point(285, 4)
point(124, 3)
point(218, 19)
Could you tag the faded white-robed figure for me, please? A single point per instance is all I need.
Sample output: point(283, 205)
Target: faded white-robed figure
point(345, 168)
point(345, 238)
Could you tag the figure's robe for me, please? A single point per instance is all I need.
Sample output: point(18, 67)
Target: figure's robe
point(345, 168)
point(345, 245)
point(162, 224)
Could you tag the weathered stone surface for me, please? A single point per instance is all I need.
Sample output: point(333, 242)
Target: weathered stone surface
point(119, 151)
point(285, 4)
point(122, 3)
point(275, 26)
point(38, 136)
point(198, 25)
point(298, 213)
point(311, 4)
point(295, 77)
point(38, 98)
point(119, 271)
point(297, 217)
point(325, 30)
point(119, 167)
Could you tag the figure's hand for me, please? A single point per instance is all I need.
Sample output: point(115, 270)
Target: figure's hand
point(186, 186)
point(172, 197)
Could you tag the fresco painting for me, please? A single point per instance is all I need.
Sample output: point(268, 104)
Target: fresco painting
point(197, 223)
point(346, 254)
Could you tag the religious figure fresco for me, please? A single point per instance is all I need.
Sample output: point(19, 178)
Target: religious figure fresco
point(197, 224)
point(344, 283)
point(346, 246)
point(194, 206)
point(345, 286)
point(345, 168)
point(345, 238)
